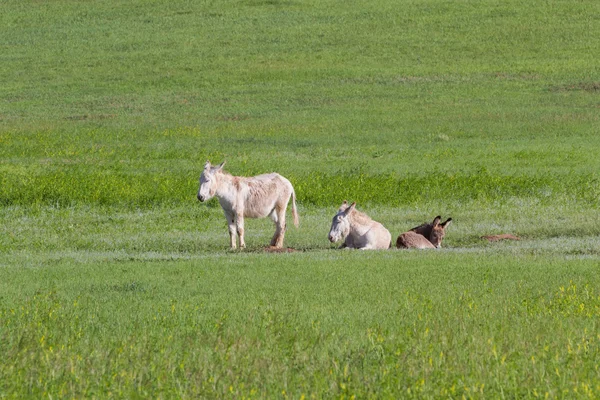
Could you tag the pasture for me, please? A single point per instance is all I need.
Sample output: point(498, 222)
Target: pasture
point(116, 282)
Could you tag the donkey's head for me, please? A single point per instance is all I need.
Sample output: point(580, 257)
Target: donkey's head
point(438, 231)
point(209, 181)
point(340, 226)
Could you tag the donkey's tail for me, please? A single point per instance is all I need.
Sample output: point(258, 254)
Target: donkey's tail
point(294, 210)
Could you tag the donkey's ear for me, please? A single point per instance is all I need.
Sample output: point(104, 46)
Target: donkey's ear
point(344, 206)
point(220, 167)
point(351, 208)
point(436, 220)
point(446, 223)
point(207, 165)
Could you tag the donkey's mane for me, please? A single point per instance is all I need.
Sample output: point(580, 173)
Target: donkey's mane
point(240, 177)
point(360, 218)
point(225, 173)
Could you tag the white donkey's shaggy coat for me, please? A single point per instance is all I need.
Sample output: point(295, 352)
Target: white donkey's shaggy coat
point(253, 197)
point(358, 230)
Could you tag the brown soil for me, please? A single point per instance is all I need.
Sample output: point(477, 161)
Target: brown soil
point(271, 249)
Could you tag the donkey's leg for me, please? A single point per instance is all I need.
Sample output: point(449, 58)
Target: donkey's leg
point(274, 218)
point(277, 240)
point(348, 243)
point(231, 225)
point(239, 224)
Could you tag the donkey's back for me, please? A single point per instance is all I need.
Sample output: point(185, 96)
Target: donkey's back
point(266, 194)
point(413, 240)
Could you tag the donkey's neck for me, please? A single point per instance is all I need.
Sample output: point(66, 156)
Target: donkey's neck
point(227, 188)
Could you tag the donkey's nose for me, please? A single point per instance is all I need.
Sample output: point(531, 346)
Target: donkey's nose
point(200, 197)
point(330, 238)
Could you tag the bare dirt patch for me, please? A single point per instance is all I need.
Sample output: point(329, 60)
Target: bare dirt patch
point(271, 249)
point(84, 117)
point(582, 86)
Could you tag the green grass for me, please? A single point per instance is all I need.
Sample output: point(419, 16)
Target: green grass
point(125, 101)
point(110, 302)
point(116, 282)
point(332, 324)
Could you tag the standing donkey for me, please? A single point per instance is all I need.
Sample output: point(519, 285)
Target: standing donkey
point(358, 230)
point(426, 236)
point(253, 197)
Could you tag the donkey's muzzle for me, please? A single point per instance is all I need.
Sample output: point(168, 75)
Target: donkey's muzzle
point(200, 197)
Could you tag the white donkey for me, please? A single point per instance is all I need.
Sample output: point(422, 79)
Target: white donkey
point(426, 236)
point(253, 197)
point(358, 230)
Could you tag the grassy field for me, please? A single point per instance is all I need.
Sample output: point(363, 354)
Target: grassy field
point(116, 282)
point(324, 324)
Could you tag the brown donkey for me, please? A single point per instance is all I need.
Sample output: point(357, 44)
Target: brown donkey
point(426, 236)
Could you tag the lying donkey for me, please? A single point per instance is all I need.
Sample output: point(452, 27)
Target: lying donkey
point(358, 230)
point(254, 197)
point(426, 236)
